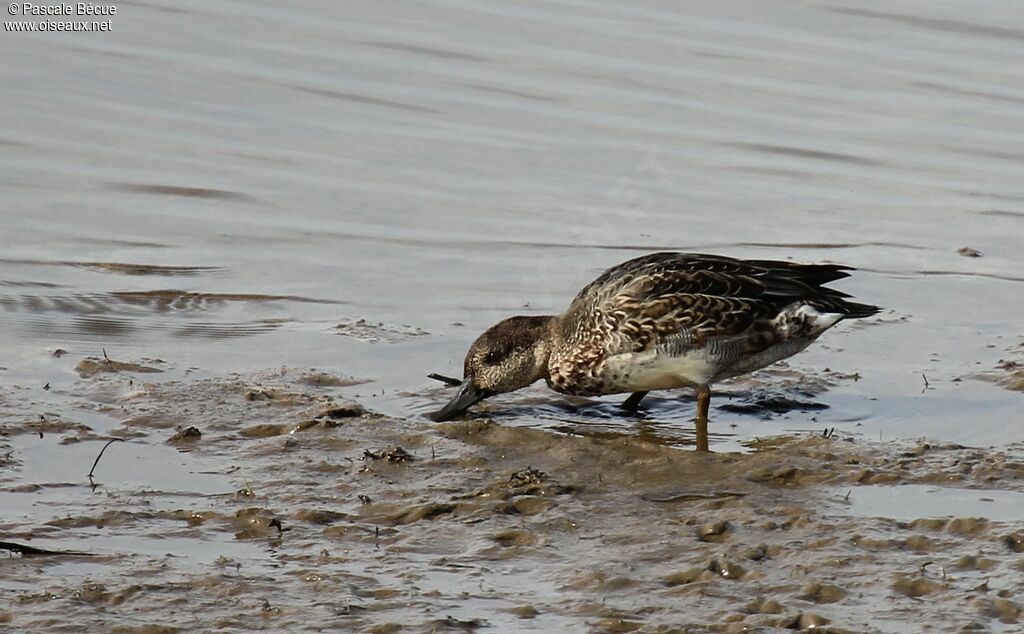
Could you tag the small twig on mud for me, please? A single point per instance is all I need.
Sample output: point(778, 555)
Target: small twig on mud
point(927, 386)
point(105, 357)
point(447, 380)
point(109, 442)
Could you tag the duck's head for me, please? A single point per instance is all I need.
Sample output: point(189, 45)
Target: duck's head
point(509, 355)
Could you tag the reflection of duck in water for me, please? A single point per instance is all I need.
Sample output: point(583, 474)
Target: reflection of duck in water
point(661, 321)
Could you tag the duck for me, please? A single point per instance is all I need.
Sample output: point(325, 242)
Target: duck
point(657, 322)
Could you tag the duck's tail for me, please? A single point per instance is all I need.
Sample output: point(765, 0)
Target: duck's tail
point(841, 306)
point(857, 311)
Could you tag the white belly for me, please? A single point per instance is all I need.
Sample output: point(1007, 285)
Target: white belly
point(640, 371)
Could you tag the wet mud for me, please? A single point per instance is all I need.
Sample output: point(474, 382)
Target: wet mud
point(269, 501)
point(1008, 372)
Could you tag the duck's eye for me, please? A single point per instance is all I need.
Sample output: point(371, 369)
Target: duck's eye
point(492, 357)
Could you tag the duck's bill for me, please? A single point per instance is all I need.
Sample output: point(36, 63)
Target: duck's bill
point(468, 396)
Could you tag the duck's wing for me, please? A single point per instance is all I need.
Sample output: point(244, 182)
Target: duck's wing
point(717, 274)
point(682, 311)
point(677, 301)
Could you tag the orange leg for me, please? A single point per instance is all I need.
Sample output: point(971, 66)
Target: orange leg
point(703, 403)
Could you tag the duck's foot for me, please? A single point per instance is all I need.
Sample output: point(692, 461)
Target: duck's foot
point(632, 404)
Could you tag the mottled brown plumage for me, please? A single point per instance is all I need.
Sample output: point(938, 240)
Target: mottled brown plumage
point(661, 321)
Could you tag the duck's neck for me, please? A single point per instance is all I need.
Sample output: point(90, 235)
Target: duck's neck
point(544, 332)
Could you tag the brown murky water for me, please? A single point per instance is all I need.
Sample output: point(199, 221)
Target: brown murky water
point(237, 236)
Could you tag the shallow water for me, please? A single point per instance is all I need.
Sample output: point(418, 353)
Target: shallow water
point(909, 502)
point(215, 191)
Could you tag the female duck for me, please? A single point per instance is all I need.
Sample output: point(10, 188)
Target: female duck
point(661, 321)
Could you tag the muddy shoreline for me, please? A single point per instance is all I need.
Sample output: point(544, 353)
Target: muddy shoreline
point(292, 508)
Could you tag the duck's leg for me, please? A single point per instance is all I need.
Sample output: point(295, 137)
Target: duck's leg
point(632, 404)
point(703, 404)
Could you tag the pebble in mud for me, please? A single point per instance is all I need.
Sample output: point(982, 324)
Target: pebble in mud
point(1015, 542)
point(915, 587)
point(259, 395)
point(804, 621)
point(526, 477)
point(525, 491)
point(256, 523)
point(532, 481)
point(727, 569)
point(716, 532)
point(756, 553)
point(393, 454)
point(514, 537)
point(185, 435)
point(822, 593)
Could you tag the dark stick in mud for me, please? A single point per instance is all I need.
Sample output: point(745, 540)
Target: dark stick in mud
point(27, 551)
point(109, 442)
point(447, 380)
